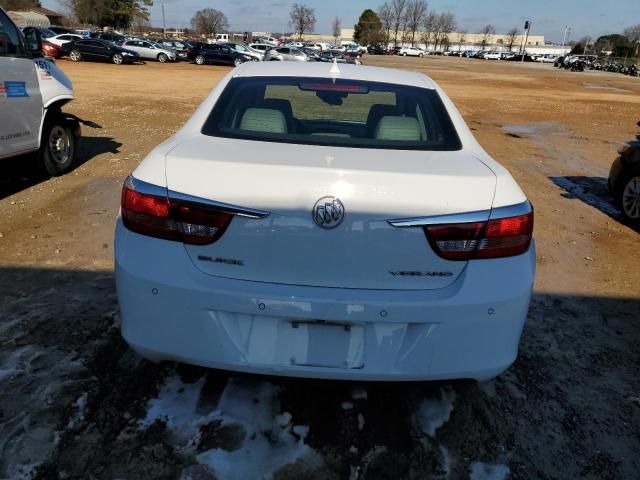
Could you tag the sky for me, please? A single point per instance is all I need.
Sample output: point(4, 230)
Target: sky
point(549, 17)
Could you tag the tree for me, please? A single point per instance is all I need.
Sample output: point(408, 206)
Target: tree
point(586, 42)
point(429, 25)
point(209, 21)
point(633, 35)
point(385, 14)
point(398, 11)
point(511, 36)
point(336, 29)
point(445, 24)
point(487, 32)
point(18, 5)
point(111, 13)
point(617, 45)
point(368, 29)
point(416, 11)
point(302, 19)
point(462, 36)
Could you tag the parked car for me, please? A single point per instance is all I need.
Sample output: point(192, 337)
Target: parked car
point(110, 37)
point(62, 30)
point(377, 49)
point(296, 45)
point(314, 55)
point(285, 54)
point(492, 56)
point(181, 47)
point(547, 59)
point(269, 41)
point(217, 53)
point(301, 236)
point(261, 47)
point(64, 38)
point(624, 181)
point(150, 51)
point(255, 55)
point(98, 50)
point(411, 52)
point(353, 46)
point(50, 49)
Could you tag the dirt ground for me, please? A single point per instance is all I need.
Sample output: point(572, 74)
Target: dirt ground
point(75, 402)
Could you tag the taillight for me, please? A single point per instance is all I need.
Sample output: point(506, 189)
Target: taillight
point(496, 238)
point(161, 217)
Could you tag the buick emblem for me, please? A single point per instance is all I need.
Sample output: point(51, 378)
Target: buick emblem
point(328, 212)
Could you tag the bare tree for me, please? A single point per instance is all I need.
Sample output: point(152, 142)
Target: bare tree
point(398, 11)
point(633, 35)
point(302, 19)
point(429, 25)
point(416, 11)
point(510, 38)
point(336, 29)
point(487, 32)
point(209, 21)
point(462, 36)
point(445, 24)
point(386, 18)
point(140, 24)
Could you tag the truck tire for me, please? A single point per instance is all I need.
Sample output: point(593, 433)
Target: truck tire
point(58, 146)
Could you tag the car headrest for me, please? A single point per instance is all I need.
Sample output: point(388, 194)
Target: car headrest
point(405, 129)
point(263, 120)
point(376, 112)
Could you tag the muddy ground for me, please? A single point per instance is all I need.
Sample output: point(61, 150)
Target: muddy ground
point(75, 402)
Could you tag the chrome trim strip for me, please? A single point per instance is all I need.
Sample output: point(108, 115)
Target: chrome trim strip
point(222, 207)
point(466, 217)
point(143, 187)
point(512, 210)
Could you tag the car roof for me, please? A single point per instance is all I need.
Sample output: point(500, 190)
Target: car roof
point(347, 71)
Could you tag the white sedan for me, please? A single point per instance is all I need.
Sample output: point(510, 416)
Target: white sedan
point(327, 221)
point(64, 38)
point(411, 52)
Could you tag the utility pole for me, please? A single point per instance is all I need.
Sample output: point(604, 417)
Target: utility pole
point(527, 27)
point(164, 23)
point(564, 39)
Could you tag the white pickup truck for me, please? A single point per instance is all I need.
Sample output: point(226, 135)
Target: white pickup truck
point(33, 91)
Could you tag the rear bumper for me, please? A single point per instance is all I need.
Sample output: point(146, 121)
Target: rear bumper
point(172, 311)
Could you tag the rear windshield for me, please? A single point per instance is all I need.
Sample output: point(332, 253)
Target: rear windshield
point(324, 111)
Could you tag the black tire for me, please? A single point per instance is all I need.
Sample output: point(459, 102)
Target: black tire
point(237, 61)
point(117, 59)
point(200, 60)
point(629, 186)
point(162, 57)
point(57, 154)
point(75, 55)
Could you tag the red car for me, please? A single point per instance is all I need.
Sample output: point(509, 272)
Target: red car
point(50, 49)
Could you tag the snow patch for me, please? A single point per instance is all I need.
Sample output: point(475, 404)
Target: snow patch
point(360, 421)
point(359, 393)
point(176, 406)
point(486, 471)
point(270, 443)
point(78, 418)
point(271, 440)
point(435, 412)
point(347, 405)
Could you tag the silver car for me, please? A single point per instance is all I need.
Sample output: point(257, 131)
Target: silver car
point(256, 55)
point(286, 54)
point(150, 50)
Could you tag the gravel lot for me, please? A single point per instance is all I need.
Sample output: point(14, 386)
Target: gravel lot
point(75, 402)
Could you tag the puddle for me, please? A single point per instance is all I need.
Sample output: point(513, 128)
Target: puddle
point(519, 129)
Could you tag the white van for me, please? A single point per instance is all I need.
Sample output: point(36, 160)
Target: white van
point(33, 91)
point(222, 37)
